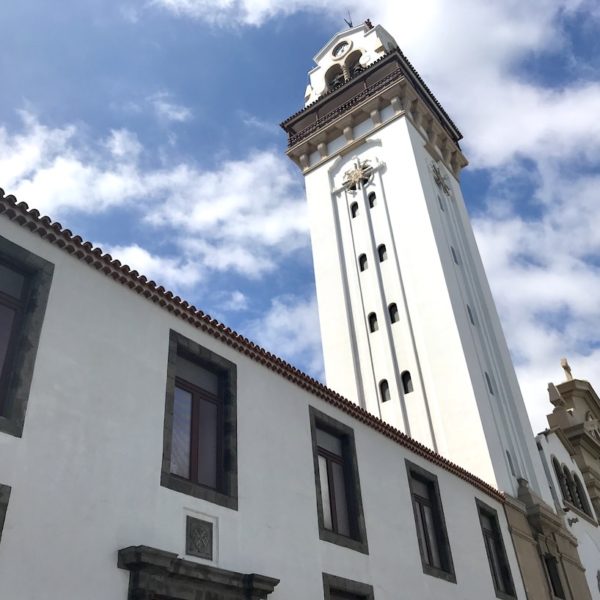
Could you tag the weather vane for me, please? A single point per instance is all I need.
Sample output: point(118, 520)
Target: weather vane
point(349, 20)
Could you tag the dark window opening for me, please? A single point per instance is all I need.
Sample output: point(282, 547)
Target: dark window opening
point(353, 63)
point(363, 264)
point(562, 481)
point(440, 202)
point(407, 385)
point(334, 78)
point(373, 325)
point(454, 255)
point(25, 281)
point(393, 310)
point(496, 554)
point(337, 588)
point(339, 505)
point(372, 199)
point(382, 252)
point(470, 313)
point(200, 445)
point(510, 464)
point(582, 496)
point(554, 576)
point(434, 546)
point(384, 390)
point(488, 382)
point(354, 209)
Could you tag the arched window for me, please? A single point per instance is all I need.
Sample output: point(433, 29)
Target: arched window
point(393, 309)
point(372, 199)
point(382, 252)
point(407, 386)
point(585, 505)
point(353, 63)
point(373, 326)
point(562, 482)
point(334, 77)
point(488, 382)
point(354, 209)
point(362, 262)
point(570, 485)
point(454, 255)
point(384, 390)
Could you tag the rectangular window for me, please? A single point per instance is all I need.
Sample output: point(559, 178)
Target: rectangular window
point(432, 535)
point(338, 588)
point(200, 446)
point(4, 497)
point(554, 576)
point(25, 281)
point(339, 504)
point(496, 554)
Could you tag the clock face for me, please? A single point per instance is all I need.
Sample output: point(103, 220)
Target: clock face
point(340, 49)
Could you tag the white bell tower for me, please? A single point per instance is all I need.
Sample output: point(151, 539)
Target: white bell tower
point(409, 327)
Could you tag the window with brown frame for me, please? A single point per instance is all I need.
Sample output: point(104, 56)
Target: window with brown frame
point(434, 546)
point(25, 281)
point(496, 554)
point(339, 504)
point(199, 453)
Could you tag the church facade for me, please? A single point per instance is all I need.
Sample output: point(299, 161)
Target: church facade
point(148, 451)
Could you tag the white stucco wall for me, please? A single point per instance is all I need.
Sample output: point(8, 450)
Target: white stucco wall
point(85, 476)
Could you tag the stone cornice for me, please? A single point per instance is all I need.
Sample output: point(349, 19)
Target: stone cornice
point(55, 234)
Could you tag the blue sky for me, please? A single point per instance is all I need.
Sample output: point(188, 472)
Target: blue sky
point(151, 128)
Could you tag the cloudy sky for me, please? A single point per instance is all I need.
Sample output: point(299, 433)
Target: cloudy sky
point(150, 128)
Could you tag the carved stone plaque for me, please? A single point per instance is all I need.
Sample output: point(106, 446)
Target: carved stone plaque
point(199, 538)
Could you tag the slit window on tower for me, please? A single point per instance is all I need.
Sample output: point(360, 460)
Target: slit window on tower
point(362, 262)
point(454, 255)
point(372, 199)
point(441, 203)
point(407, 385)
point(488, 382)
point(471, 317)
point(373, 326)
point(382, 252)
point(384, 390)
point(393, 309)
point(354, 209)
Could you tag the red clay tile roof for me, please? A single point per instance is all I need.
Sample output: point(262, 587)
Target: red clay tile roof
point(54, 233)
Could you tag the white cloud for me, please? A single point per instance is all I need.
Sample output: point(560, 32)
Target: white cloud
point(168, 110)
point(235, 301)
point(290, 329)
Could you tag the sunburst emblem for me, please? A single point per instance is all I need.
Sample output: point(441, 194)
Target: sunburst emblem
point(358, 176)
point(440, 179)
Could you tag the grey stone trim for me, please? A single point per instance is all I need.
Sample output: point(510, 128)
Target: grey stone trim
point(483, 507)
point(199, 538)
point(339, 584)
point(449, 575)
point(227, 372)
point(4, 498)
point(39, 279)
point(158, 574)
point(358, 541)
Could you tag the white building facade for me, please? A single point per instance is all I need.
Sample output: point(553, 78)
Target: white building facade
point(107, 490)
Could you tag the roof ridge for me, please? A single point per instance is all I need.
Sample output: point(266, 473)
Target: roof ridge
point(75, 245)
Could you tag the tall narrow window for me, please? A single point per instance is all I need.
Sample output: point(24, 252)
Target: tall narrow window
point(494, 547)
point(562, 481)
point(382, 252)
point(510, 464)
point(384, 390)
point(339, 504)
point(440, 202)
point(373, 325)
point(454, 255)
point(470, 313)
point(354, 209)
point(393, 310)
point(570, 485)
point(488, 382)
point(200, 431)
point(554, 576)
point(582, 495)
point(25, 281)
point(407, 385)
point(362, 262)
point(372, 199)
point(436, 557)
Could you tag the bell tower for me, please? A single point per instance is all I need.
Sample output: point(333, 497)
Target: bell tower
point(408, 324)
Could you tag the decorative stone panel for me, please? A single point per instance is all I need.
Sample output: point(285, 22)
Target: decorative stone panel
point(199, 538)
